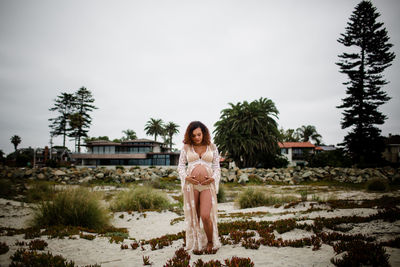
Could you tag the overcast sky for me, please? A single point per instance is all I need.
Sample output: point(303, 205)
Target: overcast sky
point(179, 61)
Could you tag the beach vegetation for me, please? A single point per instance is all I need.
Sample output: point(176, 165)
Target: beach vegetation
point(72, 207)
point(140, 199)
point(251, 198)
point(40, 191)
point(377, 184)
point(4, 248)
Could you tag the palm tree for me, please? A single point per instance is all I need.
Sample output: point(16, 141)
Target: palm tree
point(307, 132)
point(170, 129)
point(154, 127)
point(248, 132)
point(129, 135)
point(15, 140)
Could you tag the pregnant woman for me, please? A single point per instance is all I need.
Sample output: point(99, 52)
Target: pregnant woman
point(200, 173)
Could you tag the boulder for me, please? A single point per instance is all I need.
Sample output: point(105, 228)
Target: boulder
point(59, 173)
point(100, 175)
point(243, 178)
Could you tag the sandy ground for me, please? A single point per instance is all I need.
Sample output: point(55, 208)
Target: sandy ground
point(154, 224)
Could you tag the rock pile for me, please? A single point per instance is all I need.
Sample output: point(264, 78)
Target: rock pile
point(291, 175)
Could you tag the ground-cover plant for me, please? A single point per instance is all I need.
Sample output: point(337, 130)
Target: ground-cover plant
point(181, 258)
point(37, 244)
point(251, 198)
point(32, 258)
point(360, 253)
point(3, 248)
point(73, 207)
point(139, 199)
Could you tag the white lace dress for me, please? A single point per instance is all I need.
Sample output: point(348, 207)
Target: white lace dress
point(196, 238)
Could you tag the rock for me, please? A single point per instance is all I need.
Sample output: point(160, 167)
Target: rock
point(307, 174)
point(100, 175)
point(59, 173)
point(86, 179)
point(41, 176)
point(243, 178)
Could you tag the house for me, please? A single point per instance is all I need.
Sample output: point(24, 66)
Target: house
point(129, 152)
point(296, 152)
point(392, 148)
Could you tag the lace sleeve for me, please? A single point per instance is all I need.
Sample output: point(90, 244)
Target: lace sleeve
point(182, 167)
point(216, 169)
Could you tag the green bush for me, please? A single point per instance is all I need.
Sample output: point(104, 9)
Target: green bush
point(40, 191)
point(6, 188)
point(251, 198)
point(4, 248)
point(334, 158)
point(74, 207)
point(140, 198)
point(377, 184)
point(221, 196)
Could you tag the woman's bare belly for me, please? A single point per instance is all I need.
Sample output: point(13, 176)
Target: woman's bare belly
point(199, 172)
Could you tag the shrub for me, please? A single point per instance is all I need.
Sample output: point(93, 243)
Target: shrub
point(140, 198)
point(3, 248)
point(304, 194)
point(40, 191)
point(74, 207)
point(6, 188)
point(221, 196)
point(251, 198)
point(377, 184)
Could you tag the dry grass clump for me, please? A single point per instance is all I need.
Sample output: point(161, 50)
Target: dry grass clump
point(39, 191)
point(140, 198)
point(73, 207)
point(251, 198)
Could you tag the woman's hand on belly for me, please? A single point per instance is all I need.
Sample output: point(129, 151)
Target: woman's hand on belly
point(191, 179)
point(207, 181)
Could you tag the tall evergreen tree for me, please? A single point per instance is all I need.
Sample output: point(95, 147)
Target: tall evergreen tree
point(64, 105)
point(367, 58)
point(83, 105)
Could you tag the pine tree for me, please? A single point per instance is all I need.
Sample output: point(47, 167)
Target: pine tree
point(64, 105)
point(81, 117)
point(369, 56)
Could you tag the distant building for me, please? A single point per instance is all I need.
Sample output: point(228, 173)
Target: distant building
point(392, 148)
point(296, 152)
point(130, 152)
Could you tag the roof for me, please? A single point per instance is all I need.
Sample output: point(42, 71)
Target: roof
point(296, 144)
point(103, 143)
point(141, 140)
point(392, 140)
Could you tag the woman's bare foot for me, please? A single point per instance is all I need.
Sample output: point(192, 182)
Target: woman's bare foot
point(209, 247)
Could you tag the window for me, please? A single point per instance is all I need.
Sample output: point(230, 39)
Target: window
point(284, 151)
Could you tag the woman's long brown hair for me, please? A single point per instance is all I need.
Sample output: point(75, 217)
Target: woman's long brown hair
point(189, 131)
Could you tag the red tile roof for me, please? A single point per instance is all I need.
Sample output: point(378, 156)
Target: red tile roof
point(296, 144)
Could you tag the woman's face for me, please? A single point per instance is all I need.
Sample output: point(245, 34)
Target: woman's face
point(197, 136)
